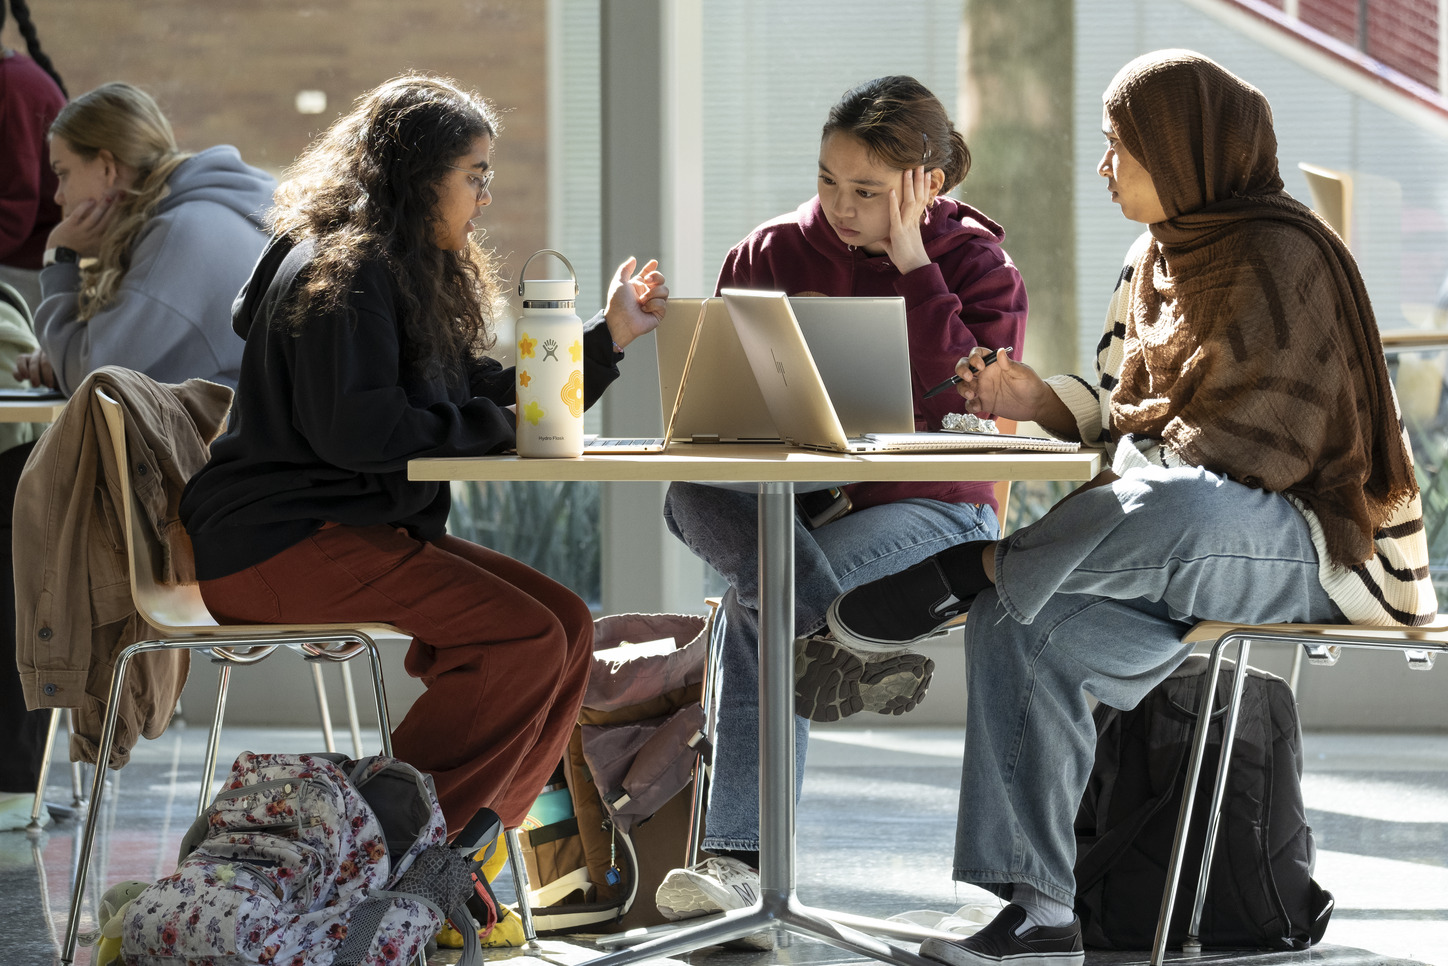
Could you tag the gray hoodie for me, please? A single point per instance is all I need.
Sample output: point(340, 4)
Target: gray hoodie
point(171, 316)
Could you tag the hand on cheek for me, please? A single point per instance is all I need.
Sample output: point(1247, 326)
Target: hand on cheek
point(905, 246)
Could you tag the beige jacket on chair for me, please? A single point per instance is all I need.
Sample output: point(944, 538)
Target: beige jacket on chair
point(72, 588)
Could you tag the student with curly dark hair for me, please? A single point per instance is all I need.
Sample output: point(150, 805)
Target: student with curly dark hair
point(365, 324)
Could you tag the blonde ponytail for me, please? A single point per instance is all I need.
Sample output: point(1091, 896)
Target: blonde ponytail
point(126, 122)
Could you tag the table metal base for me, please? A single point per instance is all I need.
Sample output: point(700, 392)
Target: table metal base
point(781, 913)
point(778, 908)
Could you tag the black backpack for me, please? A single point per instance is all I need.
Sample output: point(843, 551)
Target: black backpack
point(1261, 894)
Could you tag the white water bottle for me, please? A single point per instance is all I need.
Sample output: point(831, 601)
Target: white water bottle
point(549, 365)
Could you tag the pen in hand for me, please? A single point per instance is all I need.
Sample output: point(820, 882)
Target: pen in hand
point(985, 360)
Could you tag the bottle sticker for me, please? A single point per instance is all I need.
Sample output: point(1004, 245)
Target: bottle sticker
point(572, 393)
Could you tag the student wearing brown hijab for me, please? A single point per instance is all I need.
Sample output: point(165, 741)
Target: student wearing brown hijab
point(1259, 474)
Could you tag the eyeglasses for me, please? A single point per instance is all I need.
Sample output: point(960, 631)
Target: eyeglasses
point(480, 183)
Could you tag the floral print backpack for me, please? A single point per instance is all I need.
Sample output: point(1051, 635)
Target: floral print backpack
point(309, 860)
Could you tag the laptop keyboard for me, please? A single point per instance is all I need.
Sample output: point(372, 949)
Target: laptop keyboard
point(610, 442)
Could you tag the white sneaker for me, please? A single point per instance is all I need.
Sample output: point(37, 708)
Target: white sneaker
point(717, 884)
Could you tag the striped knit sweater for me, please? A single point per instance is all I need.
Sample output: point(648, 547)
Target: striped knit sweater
point(1392, 587)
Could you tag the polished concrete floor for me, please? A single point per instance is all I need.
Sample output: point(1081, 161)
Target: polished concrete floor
point(875, 836)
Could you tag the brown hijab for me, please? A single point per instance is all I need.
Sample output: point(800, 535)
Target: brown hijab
point(1251, 347)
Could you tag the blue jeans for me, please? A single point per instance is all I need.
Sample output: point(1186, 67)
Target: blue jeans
point(1094, 598)
point(721, 527)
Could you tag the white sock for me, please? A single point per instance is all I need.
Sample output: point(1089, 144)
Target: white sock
point(1041, 909)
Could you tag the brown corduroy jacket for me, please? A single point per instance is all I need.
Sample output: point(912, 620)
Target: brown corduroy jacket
point(72, 588)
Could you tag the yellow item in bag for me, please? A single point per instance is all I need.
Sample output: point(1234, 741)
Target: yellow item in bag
point(507, 932)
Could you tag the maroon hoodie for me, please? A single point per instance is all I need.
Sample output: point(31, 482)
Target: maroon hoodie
point(970, 294)
point(29, 101)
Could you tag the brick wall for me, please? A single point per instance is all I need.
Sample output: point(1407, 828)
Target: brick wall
point(228, 72)
point(1402, 34)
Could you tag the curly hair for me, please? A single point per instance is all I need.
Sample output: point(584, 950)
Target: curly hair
point(903, 125)
point(368, 189)
point(126, 122)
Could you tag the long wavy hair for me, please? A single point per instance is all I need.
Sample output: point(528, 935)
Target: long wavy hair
point(126, 122)
point(903, 125)
point(368, 189)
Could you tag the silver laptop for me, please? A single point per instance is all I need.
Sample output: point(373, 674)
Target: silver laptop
point(720, 404)
point(674, 369)
point(721, 401)
point(717, 405)
point(789, 379)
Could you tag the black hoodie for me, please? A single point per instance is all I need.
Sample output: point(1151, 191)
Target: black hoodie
point(326, 418)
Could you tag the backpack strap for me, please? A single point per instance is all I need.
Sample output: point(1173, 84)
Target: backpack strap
point(479, 842)
point(195, 835)
point(481, 831)
point(1105, 850)
point(1321, 902)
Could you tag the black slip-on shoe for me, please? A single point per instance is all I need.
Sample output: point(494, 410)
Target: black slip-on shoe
point(998, 945)
point(898, 611)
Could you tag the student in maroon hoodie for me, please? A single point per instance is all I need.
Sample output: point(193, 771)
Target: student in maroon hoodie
point(881, 225)
point(31, 95)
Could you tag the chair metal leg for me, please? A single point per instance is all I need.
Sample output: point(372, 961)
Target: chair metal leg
point(520, 882)
point(323, 708)
point(77, 780)
point(213, 740)
point(1189, 787)
point(37, 808)
point(98, 787)
point(379, 692)
point(702, 771)
point(696, 811)
point(350, 693)
point(1219, 790)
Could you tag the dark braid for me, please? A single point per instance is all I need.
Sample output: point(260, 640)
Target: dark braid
point(21, 11)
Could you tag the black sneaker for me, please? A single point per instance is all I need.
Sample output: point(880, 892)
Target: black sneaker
point(998, 944)
point(898, 611)
point(831, 682)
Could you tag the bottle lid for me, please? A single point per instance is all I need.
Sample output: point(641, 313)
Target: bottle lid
point(553, 291)
point(547, 290)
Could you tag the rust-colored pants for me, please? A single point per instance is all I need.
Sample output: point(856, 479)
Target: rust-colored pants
point(504, 651)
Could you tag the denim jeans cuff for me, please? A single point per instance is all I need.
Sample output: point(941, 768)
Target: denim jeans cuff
point(711, 844)
point(1002, 588)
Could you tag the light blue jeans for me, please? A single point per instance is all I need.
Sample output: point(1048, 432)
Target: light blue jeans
point(1094, 598)
point(721, 527)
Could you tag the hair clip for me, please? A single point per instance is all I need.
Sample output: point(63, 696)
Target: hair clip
point(925, 155)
